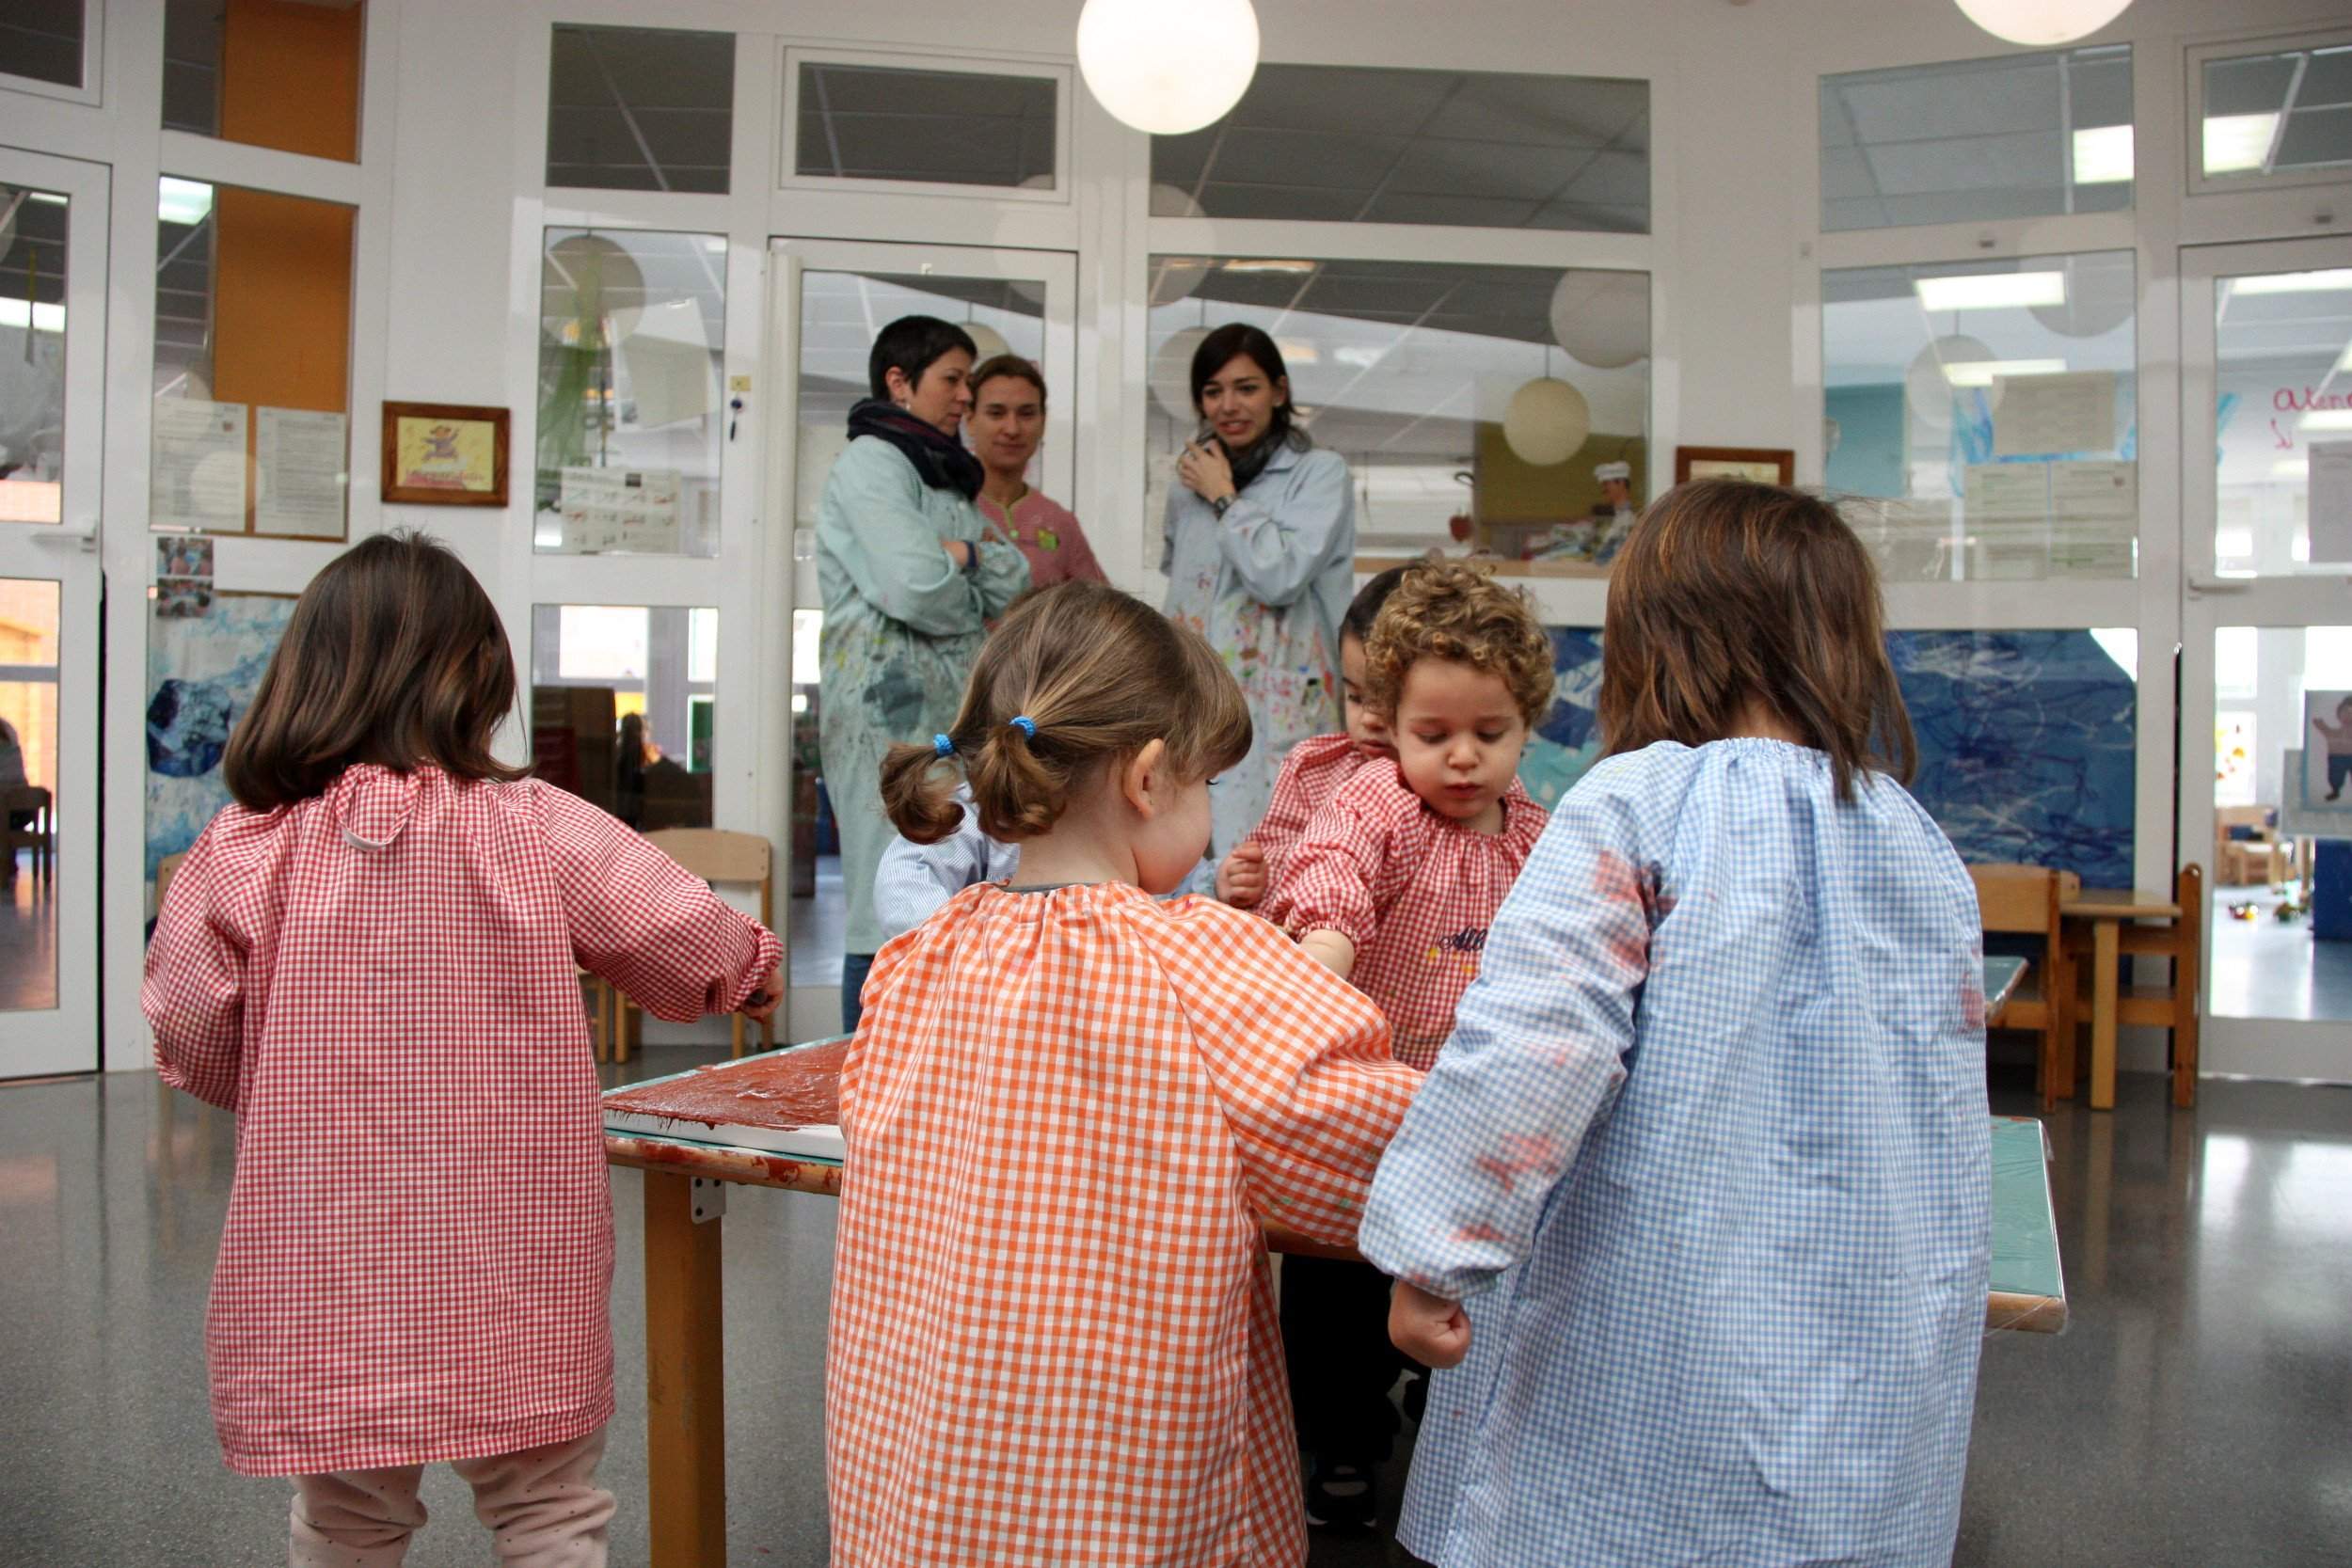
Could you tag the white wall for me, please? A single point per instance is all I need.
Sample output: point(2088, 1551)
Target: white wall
point(451, 207)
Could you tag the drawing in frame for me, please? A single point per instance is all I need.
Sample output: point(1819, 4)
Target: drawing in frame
point(444, 454)
point(1763, 465)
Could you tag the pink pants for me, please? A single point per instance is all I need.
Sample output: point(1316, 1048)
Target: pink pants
point(542, 1505)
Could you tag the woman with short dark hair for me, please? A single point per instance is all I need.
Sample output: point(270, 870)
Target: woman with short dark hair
point(1259, 558)
point(909, 581)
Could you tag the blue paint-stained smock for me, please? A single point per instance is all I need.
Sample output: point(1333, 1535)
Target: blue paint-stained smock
point(1267, 584)
point(903, 625)
point(1706, 1159)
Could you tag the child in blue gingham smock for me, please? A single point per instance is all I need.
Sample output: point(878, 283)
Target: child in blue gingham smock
point(1700, 1183)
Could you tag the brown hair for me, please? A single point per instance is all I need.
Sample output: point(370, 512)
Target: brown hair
point(1006, 364)
point(394, 656)
point(1450, 610)
point(1729, 592)
point(1101, 674)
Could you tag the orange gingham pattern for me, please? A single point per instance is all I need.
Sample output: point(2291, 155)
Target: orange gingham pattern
point(419, 1246)
point(1311, 775)
point(1413, 890)
point(1053, 1335)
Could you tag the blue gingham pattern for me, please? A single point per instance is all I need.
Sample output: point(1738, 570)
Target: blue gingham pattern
point(911, 880)
point(1707, 1158)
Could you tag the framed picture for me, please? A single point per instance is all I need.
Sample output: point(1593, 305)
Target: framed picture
point(444, 454)
point(2311, 814)
point(1764, 465)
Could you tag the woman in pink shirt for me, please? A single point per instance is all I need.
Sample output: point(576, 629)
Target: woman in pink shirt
point(1006, 422)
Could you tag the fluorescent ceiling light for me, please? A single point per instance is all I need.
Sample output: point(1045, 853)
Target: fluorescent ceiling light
point(49, 196)
point(1251, 264)
point(45, 318)
point(2102, 155)
point(1991, 291)
point(2234, 545)
point(2328, 419)
point(2288, 468)
point(184, 200)
point(1980, 372)
point(1297, 351)
point(2292, 282)
point(2239, 143)
point(2345, 363)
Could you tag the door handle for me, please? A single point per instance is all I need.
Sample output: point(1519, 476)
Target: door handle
point(2200, 584)
point(84, 537)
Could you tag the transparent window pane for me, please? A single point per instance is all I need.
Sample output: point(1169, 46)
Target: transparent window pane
point(42, 40)
point(1351, 144)
point(2281, 936)
point(1409, 371)
point(1983, 415)
point(29, 610)
point(937, 127)
point(641, 108)
point(632, 334)
point(2282, 364)
point(252, 363)
point(2024, 135)
point(275, 73)
point(32, 357)
point(614, 714)
point(2289, 112)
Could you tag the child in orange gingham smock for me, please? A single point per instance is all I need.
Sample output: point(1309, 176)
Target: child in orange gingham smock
point(1394, 883)
point(378, 978)
point(1067, 1109)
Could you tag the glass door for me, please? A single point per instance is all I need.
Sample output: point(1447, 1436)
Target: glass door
point(2266, 657)
point(830, 298)
point(52, 281)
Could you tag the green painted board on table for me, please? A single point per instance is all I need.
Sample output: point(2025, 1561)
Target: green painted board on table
point(2024, 1231)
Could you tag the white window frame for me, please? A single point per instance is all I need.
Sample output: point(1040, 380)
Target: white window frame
point(791, 55)
point(2193, 150)
point(93, 64)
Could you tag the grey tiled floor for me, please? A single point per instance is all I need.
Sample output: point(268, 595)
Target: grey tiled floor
point(2195, 1413)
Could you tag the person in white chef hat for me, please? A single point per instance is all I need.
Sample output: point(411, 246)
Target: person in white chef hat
point(1612, 520)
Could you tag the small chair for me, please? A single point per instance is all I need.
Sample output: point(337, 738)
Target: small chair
point(716, 856)
point(2023, 900)
point(40, 835)
point(2172, 1007)
point(2247, 849)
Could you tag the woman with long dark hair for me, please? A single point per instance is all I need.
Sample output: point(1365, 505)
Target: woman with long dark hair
point(908, 582)
point(1259, 558)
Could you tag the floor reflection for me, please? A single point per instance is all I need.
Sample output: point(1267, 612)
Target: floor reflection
point(28, 940)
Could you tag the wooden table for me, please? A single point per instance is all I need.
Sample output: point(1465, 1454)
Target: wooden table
point(2002, 976)
point(2105, 910)
point(684, 1197)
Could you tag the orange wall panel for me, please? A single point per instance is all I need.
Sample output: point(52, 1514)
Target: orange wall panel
point(290, 77)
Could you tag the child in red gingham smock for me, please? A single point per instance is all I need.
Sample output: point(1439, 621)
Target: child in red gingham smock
point(1394, 883)
point(1318, 765)
point(1068, 1109)
point(372, 962)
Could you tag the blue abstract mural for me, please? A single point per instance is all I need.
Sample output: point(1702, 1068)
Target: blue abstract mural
point(202, 673)
point(2026, 741)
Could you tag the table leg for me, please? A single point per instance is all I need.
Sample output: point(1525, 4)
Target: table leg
point(2104, 959)
point(686, 1437)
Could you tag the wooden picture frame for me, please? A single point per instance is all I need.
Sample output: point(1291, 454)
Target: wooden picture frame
point(444, 454)
point(1762, 465)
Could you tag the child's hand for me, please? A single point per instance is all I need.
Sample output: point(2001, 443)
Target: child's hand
point(1432, 1330)
point(762, 1005)
point(1240, 876)
point(1337, 953)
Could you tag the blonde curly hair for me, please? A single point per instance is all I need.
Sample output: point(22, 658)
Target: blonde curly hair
point(1453, 611)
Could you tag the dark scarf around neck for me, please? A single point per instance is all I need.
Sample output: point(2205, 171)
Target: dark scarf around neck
point(940, 460)
point(1248, 463)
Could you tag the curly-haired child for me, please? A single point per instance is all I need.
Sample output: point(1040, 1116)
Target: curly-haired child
point(1394, 884)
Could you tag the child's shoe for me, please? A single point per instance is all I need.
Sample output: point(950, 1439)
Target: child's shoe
point(1341, 1497)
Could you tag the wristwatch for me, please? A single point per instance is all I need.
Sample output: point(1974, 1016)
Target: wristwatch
point(1223, 504)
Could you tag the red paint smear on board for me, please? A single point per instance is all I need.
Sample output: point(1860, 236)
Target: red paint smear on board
point(784, 1089)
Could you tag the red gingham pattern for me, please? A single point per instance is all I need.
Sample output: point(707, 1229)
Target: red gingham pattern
point(1311, 775)
point(1414, 891)
point(379, 982)
point(1053, 1333)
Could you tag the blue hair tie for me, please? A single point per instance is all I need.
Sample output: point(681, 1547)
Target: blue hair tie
point(1026, 726)
point(943, 746)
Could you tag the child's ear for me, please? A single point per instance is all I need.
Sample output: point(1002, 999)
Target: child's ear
point(1143, 780)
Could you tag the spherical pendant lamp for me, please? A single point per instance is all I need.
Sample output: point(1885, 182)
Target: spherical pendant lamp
point(1928, 390)
point(2041, 22)
point(1547, 422)
point(1171, 375)
point(987, 342)
point(1168, 65)
point(1602, 318)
